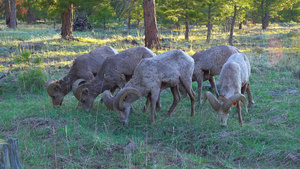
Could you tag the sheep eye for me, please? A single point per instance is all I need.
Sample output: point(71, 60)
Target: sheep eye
point(83, 101)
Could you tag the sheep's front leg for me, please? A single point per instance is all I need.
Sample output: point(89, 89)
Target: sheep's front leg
point(239, 111)
point(154, 98)
point(188, 87)
point(158, 106)
point(200, 84)
point(213, 85)
point(176, 99)
point(147, 102)
point(198, 76)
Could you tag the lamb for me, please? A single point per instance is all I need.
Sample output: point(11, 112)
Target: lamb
point(84, 67)
point(209, 63)
point(166, 70)
point(114, 73)
point(234, 81)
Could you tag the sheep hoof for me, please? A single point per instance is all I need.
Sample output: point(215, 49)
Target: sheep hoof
point(251, 104)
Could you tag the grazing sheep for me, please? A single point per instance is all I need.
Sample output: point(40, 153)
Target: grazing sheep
point(166, 70)
point(84, 67)
point(209, 63)
point(234, 81)
point(114, 73)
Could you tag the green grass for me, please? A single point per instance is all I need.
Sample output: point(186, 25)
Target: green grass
point(71, 138)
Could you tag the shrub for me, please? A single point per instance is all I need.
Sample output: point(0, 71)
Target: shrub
point(24, 57)
point(31, 80)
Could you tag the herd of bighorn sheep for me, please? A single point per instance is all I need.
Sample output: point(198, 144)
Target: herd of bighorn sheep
point(139, 72)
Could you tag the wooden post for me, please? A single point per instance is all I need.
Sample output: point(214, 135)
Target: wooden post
point(9, 154)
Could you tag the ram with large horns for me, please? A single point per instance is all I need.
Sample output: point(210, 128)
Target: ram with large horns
point(167, 70)
point(85, 67)
point(113, 74)
point(234, 81)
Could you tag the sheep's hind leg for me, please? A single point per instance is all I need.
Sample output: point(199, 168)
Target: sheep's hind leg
point(158, 105)
point(176, 99)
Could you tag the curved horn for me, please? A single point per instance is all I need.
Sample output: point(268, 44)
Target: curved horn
point(77, 88)
point(212, 100)
point(108, 99)
point(52, 86)
point(236, 97)
point(119, 98)
point(76, 84)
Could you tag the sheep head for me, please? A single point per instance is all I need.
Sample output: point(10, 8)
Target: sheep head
point(54, 91)
point(222, 105)
point(82, 93)
point(123, 100)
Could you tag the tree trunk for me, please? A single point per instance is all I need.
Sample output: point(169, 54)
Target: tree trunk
point(209, 26)
point(54, 23)
point(138, 20)
point(151, 32)
point(186, 24)
point(30, 16)
point(241, 25)
point(7, 11)
point(265, 20)
point(67, 22)
point(104, 23)
point(232, 26)
point(187, 30)
point(129, 20)
point(13, 14)
point(227, 24)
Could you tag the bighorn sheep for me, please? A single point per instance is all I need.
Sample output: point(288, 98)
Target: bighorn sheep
point(234, 81)
point(114, 73)
point(84, 67)
point(166, 70)
point(208, 63)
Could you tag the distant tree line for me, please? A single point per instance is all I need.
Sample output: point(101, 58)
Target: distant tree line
point(165, 13)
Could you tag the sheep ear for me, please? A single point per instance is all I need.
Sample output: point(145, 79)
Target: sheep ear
point(85, 91)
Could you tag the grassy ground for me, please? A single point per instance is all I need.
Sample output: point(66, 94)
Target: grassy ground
point(71, 138)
